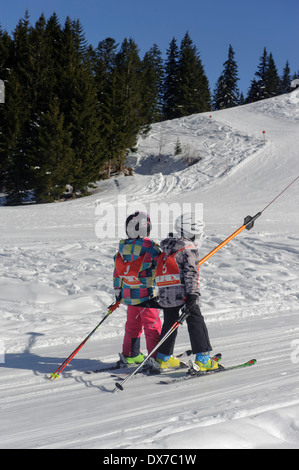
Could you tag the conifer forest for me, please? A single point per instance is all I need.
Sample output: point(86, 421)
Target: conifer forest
point(72, 112)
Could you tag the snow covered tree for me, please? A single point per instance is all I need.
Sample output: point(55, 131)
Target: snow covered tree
point(226, 94)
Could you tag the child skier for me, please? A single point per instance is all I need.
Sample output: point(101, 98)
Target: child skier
point(177, 278)
point(133, 282)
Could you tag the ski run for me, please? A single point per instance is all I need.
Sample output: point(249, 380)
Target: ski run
point(56, 285)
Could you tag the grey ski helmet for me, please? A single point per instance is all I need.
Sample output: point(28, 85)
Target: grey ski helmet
point(189, 226)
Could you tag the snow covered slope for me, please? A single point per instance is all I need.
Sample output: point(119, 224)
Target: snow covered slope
point(55, 286)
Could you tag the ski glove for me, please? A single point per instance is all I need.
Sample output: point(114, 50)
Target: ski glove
point(118, 295)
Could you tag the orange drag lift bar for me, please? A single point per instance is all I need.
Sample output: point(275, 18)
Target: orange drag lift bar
point(248, 224)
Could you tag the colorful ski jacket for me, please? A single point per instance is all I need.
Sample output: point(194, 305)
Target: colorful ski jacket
point(134, 270)
point(173, 289)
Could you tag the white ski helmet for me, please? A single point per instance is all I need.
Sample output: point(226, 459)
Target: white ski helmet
point(190, 226)
point(138, 225)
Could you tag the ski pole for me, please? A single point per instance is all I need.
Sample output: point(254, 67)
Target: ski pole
point(55, 375)
point(248, 224)
point(182, 317)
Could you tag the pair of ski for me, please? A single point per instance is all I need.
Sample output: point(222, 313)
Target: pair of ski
point(192, 372)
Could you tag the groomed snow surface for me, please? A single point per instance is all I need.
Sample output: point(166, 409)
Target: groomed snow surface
point(56, 284)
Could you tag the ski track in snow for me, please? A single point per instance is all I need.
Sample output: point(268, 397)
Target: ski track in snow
point(55, 286)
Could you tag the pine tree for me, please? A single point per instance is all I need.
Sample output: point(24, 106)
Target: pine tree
point(80, 42)
point(171, 82)
point(273, 83)
point(5, 46)
point(17, 111)
point(218, 101)
point(267, 83)
point(285, 82)
point(54, 36)
point(226, 93)
point(79, 104)
point(253, 92)
point(104, 63)
point(46, 62)
point(40, 68)
point(53, 156)
point(151, 85)
point(122, 113)
point(261, 74)
point(257, 90)
point(194, 93)
point(13, 164)
point(241, 99)
point(178, 147)
point(42, 82)
point(128, 119)
point(84, 123)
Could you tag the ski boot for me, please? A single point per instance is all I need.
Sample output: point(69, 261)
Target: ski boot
point(167, 362)
point(205, 363)
point(135, 360)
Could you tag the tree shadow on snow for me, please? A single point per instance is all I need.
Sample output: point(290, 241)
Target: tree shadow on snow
point(40, 365)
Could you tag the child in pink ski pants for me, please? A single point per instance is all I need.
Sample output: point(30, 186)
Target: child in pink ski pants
point(139, 319)
point(134, 284)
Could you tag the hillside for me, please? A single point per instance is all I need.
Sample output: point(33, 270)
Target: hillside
point(55, 286)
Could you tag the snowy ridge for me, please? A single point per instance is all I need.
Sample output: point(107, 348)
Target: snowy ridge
point(55, 286)
point(219, 147)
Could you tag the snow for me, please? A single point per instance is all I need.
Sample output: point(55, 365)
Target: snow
point(55, 286)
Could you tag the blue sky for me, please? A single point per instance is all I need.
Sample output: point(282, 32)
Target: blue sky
point(248, 26)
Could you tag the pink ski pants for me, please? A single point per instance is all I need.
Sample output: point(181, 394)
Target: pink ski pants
point(139, 319)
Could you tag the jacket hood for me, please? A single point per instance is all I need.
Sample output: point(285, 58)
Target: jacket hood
point(131, 248)
point(127, 249)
